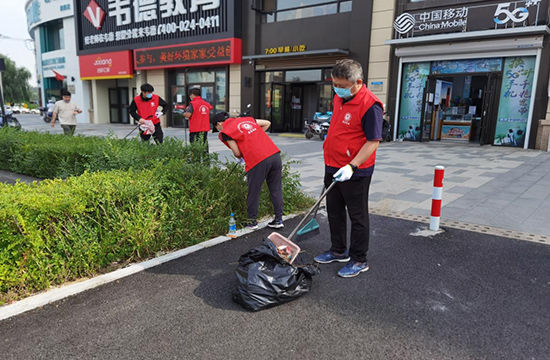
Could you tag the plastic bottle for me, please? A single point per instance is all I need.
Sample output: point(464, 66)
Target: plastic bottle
point(232, 227)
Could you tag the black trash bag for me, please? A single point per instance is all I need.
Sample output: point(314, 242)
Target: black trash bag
point(266, 279)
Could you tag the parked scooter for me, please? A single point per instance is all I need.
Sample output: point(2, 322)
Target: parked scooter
point(319, 125)
point(10, 120)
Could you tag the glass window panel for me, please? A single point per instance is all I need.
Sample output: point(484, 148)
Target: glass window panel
point(268, 76)
point(345, 6)
point(270, 18)
point(289, 4)
point(325, 98)
point(278, 76)
point(303, 75)
point(307, 12)
point(180, 79)
point(114, 115)
point(265, 109)
point(221, 91)
point(200, 76)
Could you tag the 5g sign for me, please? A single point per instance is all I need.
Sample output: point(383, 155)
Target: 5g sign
point(503, 14)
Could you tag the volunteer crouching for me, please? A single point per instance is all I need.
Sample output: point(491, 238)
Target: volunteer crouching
point(246, 138)
point(350, 152)
point(144, 108)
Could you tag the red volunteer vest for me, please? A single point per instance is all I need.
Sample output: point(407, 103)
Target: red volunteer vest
point(146, 109)
point(345, 135)
point(200, 119)
point(255, 145)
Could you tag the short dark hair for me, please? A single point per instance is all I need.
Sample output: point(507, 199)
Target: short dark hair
point(147, 88)
point(221, 117)
point(195, 91)
point(65, 92)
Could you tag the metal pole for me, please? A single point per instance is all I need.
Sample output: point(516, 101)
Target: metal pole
point(4, 122)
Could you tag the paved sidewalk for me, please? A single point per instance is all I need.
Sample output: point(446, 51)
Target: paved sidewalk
point(459, 295)
point(507, 188)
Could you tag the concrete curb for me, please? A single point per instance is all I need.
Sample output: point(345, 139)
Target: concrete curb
point(65, 291)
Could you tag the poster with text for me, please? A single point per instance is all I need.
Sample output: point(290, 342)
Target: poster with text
point(412, 91)
point(515, 100)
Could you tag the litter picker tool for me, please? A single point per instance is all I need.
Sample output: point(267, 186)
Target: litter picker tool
point(280, 240)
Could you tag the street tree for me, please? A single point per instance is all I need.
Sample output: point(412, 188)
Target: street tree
point(16, 82)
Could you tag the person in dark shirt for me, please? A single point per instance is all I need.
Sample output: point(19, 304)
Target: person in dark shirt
point(145, 107)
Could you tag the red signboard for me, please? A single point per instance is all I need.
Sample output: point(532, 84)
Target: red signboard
point(215, 52)
point(112, 65)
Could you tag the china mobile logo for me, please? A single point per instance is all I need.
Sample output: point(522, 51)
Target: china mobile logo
point(404, 23)
point(94, 14)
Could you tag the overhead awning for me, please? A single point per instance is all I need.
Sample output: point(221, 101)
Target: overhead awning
point(296, 54)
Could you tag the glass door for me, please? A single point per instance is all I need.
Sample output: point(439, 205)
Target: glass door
point(118, 105)
point(489, 109)
point(429, 113)
point(277, 107)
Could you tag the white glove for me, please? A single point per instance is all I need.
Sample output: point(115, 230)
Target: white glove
point(344, 174)
point(158, 114)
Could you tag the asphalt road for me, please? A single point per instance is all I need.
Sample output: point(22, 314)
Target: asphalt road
point(460, 295)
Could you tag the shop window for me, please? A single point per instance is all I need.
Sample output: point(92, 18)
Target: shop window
point(200, 77)
point(303, 75)
point(52, 36)
point(221, 91)
point(283, 10)
point(273, 76)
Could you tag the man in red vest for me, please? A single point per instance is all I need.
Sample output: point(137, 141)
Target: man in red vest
point(145, 107)
point(198, 113)
point(350, 151)
point(246, 138)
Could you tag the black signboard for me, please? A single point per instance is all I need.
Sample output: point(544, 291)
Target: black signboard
point(112, 25)
point(464, 18)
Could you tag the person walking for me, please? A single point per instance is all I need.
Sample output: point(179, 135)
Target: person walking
point(246, 138)
point(66, 111)
point(144, 108)
point(198, 113)
point(350, 152)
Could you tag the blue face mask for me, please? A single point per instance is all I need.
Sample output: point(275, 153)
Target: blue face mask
point(343, 92)
point(149, 96)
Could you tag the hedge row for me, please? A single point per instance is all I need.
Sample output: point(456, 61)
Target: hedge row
point(61, 230)
point(50, 156)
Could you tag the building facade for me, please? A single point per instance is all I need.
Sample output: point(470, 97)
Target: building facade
point(289, 49)
point(173, 45)
point(474, 71)
point(51, 26)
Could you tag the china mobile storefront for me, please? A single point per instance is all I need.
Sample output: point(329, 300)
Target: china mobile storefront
point(472, 87)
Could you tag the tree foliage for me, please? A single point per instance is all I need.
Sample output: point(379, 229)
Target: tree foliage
point(16, 82)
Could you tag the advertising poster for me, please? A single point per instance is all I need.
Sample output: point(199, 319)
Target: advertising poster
point(515, 99)
point(455, 132)
point(467, 66)
point(412, 91)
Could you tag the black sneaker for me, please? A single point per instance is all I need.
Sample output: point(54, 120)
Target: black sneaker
point(276, 224)
point(252, 225)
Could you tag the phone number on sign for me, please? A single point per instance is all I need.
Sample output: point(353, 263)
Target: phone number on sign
point(189, 25)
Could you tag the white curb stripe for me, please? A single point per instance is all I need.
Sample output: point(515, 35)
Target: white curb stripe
point(64, 291)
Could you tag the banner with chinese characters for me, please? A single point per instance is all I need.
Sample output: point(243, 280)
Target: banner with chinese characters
point(463, 18)
point(108, 25)
point(218, 52)
point(412, 91)
point(515, 100)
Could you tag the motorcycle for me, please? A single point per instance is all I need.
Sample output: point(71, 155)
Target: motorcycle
point(10, 121)
point(319, 125)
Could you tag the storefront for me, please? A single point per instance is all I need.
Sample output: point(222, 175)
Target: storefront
point(290, 50)
point(174, 46)
point(471, 74)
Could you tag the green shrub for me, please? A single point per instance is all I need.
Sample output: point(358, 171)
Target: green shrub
point(50, 156)
point(61, 230)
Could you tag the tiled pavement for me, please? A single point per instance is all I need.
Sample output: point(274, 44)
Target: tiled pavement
point(501, 187)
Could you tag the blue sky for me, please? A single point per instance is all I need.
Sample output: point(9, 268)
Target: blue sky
point(13, 23)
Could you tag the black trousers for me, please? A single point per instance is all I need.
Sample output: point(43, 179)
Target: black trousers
point(271, 171)
point(199, 136)
point(353, 195)
point(158, 136)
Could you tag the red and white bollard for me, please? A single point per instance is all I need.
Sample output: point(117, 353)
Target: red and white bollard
point(436, 198)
